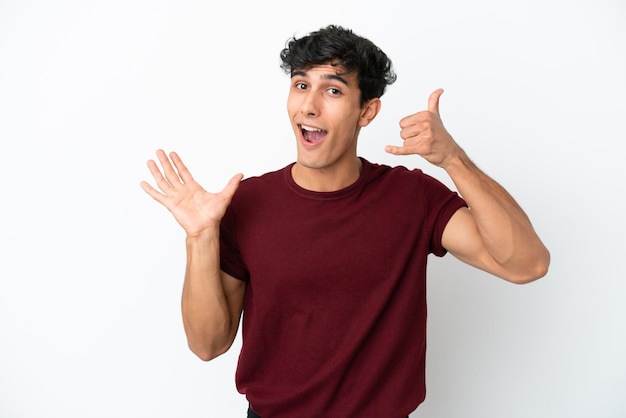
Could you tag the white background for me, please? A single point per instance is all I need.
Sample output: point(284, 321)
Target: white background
point(91, 268)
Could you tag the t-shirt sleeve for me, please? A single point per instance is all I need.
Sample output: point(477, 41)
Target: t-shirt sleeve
point(443, 203)
point(230, 257)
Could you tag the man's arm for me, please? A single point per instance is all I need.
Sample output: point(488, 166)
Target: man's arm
point(212, 300)
point(494, 234)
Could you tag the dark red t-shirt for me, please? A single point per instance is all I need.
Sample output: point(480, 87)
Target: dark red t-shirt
point(334, 321)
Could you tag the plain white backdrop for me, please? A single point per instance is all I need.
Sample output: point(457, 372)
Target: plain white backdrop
point(91, 268)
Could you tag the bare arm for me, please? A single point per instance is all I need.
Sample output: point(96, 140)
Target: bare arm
point(212, 300)
point(494, 234)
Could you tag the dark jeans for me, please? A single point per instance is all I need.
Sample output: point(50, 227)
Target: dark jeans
point(252, 414)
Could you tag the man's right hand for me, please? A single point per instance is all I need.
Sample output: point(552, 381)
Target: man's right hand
point(195, 209)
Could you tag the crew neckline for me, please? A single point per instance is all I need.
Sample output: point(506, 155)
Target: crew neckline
point(334, 195)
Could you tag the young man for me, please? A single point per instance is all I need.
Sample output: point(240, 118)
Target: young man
point(327, 257)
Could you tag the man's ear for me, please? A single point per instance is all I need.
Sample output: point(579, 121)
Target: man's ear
point(369, 111)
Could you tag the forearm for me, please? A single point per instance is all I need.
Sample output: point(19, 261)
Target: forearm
point(206, 315)
point(505, 229)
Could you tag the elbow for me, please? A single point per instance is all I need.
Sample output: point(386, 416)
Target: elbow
point(208, 349)
point(529, 277)
point(534, 271)
point(207, 353)
point(208, 342)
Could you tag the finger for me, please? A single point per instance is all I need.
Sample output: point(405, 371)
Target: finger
point(411, 131)
point(395, 150)
point(159, 197)
point(433, 101)
point(158, 177)
point(407, 121)
point(170, 174)
point(231, 187)
point(182, 169)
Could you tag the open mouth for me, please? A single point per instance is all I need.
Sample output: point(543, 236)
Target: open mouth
point(311, 134)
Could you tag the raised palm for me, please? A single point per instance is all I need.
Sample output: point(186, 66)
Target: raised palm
point(195, 209)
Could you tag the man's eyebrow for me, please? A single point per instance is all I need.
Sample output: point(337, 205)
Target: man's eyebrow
point(336, 77)
point(300, 73)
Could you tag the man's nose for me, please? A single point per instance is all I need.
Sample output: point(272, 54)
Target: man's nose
point(310, 105)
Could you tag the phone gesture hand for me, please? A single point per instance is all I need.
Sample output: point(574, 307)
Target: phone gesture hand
point(423, 134)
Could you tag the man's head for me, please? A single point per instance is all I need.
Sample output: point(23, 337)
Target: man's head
point(340, 47)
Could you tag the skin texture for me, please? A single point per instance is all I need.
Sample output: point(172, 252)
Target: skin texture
point(212, 300)
point(494, 234)
point(323, 99)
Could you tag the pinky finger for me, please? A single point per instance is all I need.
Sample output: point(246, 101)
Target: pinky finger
point(161, 181)
point(392, 149)
point(155, 194)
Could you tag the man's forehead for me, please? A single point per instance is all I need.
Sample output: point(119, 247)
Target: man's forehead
point(326, 71)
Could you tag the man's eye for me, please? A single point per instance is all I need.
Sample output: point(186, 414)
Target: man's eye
point(301, 86)
point(334, 91)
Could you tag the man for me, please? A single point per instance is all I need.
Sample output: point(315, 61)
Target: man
point(327, 257)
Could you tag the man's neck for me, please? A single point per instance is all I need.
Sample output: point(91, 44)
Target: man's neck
point(329, 179)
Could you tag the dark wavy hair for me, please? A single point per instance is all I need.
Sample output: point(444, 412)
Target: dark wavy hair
point(341, 47)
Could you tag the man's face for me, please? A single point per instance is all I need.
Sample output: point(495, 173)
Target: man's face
point(326, 116)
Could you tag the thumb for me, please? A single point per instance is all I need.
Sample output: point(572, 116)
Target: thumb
point(232, 186)
point(433, 101)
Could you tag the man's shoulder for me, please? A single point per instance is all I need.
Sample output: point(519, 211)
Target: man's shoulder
point(266, 178)
point(260, 185)
point(382, 171)
point(400, 179)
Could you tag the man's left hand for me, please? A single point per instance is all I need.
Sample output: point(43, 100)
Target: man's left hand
point(424, 134)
